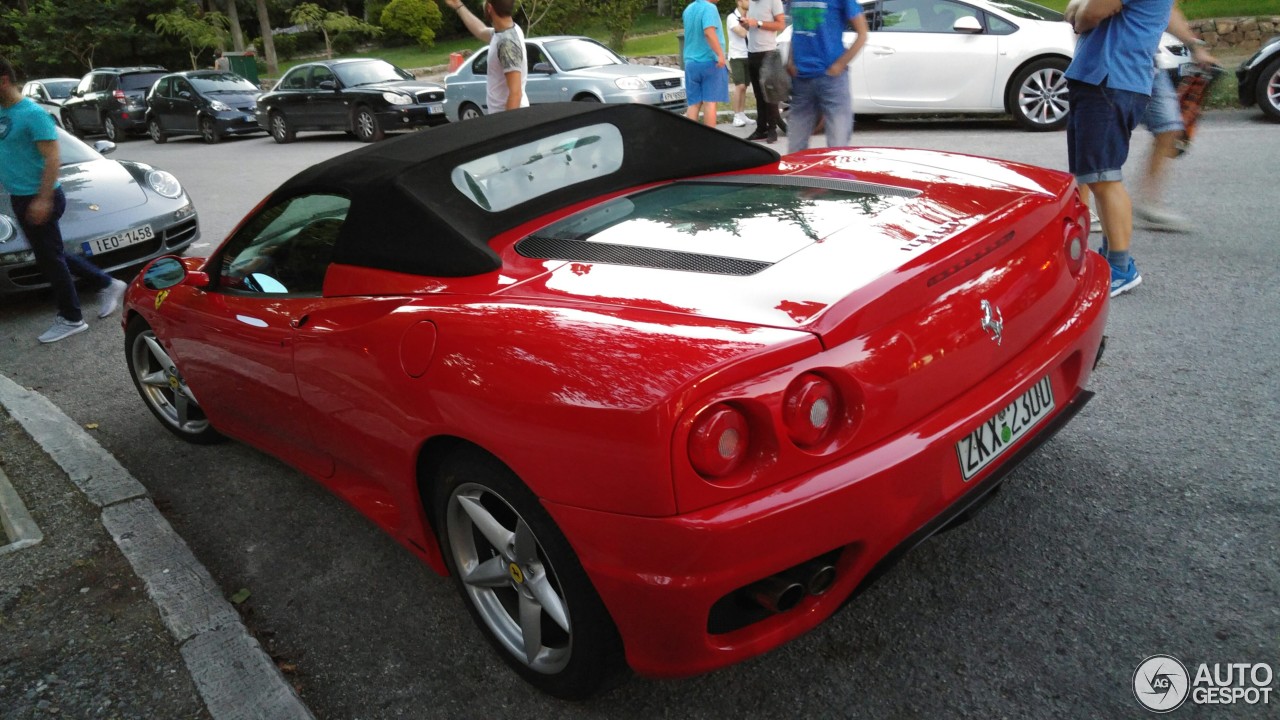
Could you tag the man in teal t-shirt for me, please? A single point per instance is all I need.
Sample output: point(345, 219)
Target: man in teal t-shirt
point(29, 173)
point(706, 72)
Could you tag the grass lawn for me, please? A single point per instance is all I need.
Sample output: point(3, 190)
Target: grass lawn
point(1196, 9)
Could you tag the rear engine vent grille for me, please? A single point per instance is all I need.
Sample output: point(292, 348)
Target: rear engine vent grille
point(549, 248)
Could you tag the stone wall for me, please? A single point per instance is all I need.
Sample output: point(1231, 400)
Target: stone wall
point(1240, 33)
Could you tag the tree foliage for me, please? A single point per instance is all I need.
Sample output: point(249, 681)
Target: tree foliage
point(416, 19)
point(200, 31)
point(69, 37)
point(328, 22)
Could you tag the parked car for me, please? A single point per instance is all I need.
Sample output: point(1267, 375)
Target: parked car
point(632, 381)
point(119, 214)
point(208, 103)
point(365, 97)
point(1258, 79)
point(975, 56)
point(110, 100)
point(50, 93)
point(568, 68)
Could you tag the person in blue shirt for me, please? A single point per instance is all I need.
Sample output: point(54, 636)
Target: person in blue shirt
point(1108, 86)
point(29, 172)
point(819, 64)
point(706, 72)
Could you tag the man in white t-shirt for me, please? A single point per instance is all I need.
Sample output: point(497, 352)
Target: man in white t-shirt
point(765, 19)
point(507, 57)
point(739, 76)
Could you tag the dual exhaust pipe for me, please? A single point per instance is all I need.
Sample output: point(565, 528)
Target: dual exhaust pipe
point(782, 592)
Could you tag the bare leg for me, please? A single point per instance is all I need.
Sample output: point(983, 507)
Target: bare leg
point(1151, 186)
point(1116, 212)
point(739, 98)
point(709, 114)
point(692, 112)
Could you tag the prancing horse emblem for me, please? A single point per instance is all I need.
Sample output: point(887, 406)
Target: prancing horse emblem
point(992, 321)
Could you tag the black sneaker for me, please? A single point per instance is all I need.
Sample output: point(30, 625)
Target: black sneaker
point(758, 135)
point(771, 137)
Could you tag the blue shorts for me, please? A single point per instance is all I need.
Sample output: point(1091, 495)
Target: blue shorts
point(1099, 125)
point(1164, 113)
point(704, 82)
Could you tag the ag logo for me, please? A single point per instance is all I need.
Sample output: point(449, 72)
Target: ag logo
point(1160, 683)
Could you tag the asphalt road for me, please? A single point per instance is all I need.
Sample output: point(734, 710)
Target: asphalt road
point(1150, 525)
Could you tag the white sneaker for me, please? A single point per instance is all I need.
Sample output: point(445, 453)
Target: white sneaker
point(110, 297)
point(62, 329)
point(740, 120)
point(1154, 217)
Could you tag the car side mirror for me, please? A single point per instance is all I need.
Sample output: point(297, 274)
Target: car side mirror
point(967, 24)
point(544, 68)
point(327, 85)
point(104, 147)
point(169, 271)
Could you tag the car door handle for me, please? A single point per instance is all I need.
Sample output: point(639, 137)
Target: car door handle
point(883, 51)
point(298, 322)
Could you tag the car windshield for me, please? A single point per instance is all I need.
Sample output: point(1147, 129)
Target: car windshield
point(71, 150)
point(1027, 10)
point(139, 81)
point(367, 73)
point(59, 89)
point(222, 82)
point(578, 53)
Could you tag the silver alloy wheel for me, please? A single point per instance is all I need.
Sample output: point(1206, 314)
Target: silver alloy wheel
point(1272, 90)
point(508, 578)
point(366, 124)
point(280, 128)
point(157, 134)
point(470, 112)
point(163, 387)
point(109, 127)
point(1042, 97)
point(208, 131)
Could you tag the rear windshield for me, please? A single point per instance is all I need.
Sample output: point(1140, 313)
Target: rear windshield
point(139, 81)
point(1027, 10)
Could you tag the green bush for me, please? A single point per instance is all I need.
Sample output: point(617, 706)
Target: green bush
point(286, 46)
point(346, 42)
point(416, 19)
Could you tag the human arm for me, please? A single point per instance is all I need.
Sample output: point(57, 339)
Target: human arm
point(41, 209)
point(734, 23)
point(1181, 29)
point(1085, 15)
point(777, 24)
point(713, 39)
point(859, 25)
point(474, 25)
point(515, 89)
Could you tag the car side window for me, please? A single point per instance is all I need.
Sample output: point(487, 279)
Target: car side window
point(295, 80)
point(286, 248)
point(162, 87)
point(931, 16)
point(997, 25)
point(180, 86)
point(534, 55)
point(320, 74)
point(480, 66)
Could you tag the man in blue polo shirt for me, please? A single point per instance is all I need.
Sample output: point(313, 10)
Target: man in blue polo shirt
point(29, 172)
point(819, 64)
point(1109, 85)
point(706, 72)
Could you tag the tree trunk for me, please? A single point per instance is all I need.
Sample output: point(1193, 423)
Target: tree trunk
point(268, 43)
point(237, 35)
point(664, 8)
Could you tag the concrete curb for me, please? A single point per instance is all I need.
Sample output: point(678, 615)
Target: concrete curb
point(235, 677)
point(20, 531)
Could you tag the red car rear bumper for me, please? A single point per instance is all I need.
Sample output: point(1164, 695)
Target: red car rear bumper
point(661, 577)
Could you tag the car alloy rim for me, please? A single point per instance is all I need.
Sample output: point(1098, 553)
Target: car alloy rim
point(365, 121)
point(1273, 90)
point(508, 578)
point(206, 129)
point(109, 127)
point(163, 386)
point(155, 130)
point(1043, 96)
point(277, 125)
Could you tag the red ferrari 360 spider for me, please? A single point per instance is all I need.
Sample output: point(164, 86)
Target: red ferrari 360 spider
point(654, 396)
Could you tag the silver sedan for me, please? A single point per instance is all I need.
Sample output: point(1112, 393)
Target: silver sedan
point(119, 214)
point(564, 68)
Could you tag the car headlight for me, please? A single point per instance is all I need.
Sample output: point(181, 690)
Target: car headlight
point(7, 230)
point(164, 183)
point(396, 98)
point(217, 106)
point(631, 83)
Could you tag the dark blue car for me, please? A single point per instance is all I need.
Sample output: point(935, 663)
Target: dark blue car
point(210, 103)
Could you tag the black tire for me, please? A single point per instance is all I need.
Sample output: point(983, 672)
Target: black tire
point(573, 661)
point(366, 125)
point(69, 122)
point(280, 128)
point(1268, 89)
point(209, 131)
point(587, 98)
point(1037, 95)
point(469, 111)
point(161, 386)
point(111, 129)
point(156, 132)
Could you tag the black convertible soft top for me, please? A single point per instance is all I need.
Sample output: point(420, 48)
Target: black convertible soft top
point(407, 215)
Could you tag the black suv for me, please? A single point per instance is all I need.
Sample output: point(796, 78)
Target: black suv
point(111, 100)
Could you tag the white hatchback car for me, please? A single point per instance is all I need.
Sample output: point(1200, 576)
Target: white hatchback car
point(970, 56)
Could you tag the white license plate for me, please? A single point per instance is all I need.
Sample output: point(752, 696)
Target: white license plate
point(97, 246)
point(982, 446)
point(673, 96)
point(435, 109)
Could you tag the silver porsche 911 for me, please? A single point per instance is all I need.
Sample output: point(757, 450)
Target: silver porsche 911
point(564, 68)
point(119, 214)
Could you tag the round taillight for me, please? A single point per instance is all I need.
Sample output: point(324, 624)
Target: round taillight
point(1074, 246)
point(811, 409)
point(719, 441)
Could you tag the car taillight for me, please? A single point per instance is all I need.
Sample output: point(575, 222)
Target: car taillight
point(119, 95)
point(811, 410)
point(1074, 245)
point(719, 441)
